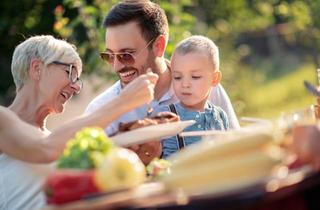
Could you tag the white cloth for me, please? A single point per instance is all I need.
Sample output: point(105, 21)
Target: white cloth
point(21, 184)
point(218, 97)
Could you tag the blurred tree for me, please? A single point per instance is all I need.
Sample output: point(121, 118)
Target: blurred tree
point(19, 20)
point(313, 30)
point(256, 38)
point(81, 21)
point(284, 31)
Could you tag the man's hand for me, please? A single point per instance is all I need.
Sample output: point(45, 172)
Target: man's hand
point(306, 144)
point(148, 151)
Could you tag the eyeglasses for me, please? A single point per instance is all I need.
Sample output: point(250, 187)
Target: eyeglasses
point(73, 74)
point(126, 58)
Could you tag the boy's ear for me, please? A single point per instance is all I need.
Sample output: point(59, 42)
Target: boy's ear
point(216, 78)
point(159, 45)
point(35, 68)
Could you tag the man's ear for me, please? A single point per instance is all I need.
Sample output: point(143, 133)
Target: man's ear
point(35, 68)
point(159, 45)
point(216, 78)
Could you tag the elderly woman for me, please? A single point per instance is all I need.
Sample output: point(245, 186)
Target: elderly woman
point(46, 74)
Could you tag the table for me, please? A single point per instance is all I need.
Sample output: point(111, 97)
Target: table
point(297, 191)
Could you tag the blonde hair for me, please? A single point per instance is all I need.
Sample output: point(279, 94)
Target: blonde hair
point(201, 44)
point(44, 47)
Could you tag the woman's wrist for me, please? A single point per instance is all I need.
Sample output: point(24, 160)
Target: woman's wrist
point(121, 104)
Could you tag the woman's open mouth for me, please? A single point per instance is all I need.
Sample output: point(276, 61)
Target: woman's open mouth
point(65, 95)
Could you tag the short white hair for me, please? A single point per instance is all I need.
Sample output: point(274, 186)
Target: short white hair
point(201, 44)
point(44, 47)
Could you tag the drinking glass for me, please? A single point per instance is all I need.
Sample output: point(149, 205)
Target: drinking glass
point(287, 121)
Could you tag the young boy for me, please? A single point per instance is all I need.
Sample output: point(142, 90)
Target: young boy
point(195, 70)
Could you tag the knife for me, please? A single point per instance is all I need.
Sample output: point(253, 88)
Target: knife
point(311, 88)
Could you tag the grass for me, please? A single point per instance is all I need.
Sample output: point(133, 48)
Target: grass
point(281, 95)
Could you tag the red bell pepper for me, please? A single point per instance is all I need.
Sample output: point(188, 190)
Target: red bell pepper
point(64, 186)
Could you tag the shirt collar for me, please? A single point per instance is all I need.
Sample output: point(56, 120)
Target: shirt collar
point(168, 95)
point(118, 87)
point(208, 106)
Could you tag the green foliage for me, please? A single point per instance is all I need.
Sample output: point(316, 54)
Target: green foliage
point(86, 150)
point(88, 17)
point(81, 22)
point(181, 23)
point(238, 27)
point(284, 94)
point(19, 20)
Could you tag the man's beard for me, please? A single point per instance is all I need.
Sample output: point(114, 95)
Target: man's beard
point(150, 63)
point(135, 73)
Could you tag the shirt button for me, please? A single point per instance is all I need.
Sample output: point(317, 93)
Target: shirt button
point(199, 126)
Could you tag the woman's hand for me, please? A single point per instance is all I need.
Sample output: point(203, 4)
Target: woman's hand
point(140, 91)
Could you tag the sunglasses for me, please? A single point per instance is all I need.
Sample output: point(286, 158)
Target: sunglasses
point(126, 58)
point(73, 74)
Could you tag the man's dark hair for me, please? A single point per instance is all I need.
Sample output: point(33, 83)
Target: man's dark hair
point(149, 16)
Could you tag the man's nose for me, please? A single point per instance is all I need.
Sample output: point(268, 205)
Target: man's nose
point(117, 65)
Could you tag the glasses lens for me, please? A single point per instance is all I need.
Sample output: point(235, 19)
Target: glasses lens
point(75, 79)
point(109, 57)
point(125, 58)
point(80, 85)
point(73, 74)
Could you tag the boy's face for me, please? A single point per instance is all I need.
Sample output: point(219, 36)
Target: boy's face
point(193, 76)
point(127, 38)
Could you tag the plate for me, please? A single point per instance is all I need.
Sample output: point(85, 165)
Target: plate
point(254, 127)
point(152, 132)
point(202, 133)
point(264, 185)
